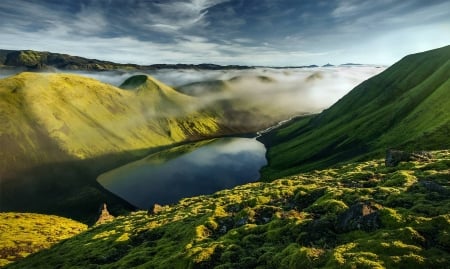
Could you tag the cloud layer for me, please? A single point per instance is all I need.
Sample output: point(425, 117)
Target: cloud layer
point(263, 32)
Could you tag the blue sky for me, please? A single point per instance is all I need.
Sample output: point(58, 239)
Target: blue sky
point(251, 32)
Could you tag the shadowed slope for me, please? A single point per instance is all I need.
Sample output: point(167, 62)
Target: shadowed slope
point(58, 131)
point(406, 106)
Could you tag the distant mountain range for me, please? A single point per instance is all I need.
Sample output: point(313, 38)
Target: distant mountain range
point(41, 60)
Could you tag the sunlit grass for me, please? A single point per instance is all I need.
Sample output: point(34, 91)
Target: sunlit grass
point(24, 233)
point(292, 222)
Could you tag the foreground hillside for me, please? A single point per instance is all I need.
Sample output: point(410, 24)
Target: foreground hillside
point(361, 215)
point(24, 233)
point(59, 131)
point(406, 106)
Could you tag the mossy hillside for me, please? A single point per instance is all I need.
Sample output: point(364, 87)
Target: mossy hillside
point(88, 118)
point(59, 131)
point(24, 233)
point(406, 106)
point(303, 221)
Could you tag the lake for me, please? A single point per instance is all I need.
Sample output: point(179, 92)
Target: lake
point(185, 171)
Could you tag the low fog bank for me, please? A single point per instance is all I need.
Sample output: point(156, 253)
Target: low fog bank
point(9, 71)
point(287, 91)
point(274, 92)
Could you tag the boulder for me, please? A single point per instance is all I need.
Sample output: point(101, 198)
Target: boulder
point(360, 216)
point(433, 187)
point(394, 157)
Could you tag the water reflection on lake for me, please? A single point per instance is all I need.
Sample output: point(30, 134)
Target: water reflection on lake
point(190, 170)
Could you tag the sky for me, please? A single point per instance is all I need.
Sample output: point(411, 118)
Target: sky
point(244, 32)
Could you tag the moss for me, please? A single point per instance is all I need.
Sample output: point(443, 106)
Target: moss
point(24, 233)
point(288, 223)
point(400, 178)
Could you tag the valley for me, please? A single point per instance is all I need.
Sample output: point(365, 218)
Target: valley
point(230, 173)
point(224, 134)
point(67, 129)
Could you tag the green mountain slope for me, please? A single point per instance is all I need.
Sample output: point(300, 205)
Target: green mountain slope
point(24, 233)
point(361, 215)
point(406, 106)
point(59, 131)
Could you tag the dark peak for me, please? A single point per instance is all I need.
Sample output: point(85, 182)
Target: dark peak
point(327, 65)
point(134, 82)
point(314, 76)
point(265, 79)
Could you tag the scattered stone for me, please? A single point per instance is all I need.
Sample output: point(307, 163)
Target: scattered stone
point(105, 216)
point(241, 222)
point(434, 187)
point(157, 208)
point(394, 157)
point(360, 216)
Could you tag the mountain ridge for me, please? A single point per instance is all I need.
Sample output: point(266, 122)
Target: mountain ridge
point(65, 126)
point(399, 107)
point(44, 60)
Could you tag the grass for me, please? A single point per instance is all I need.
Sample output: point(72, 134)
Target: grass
point(300, 221)
point(58, 132)
point(406, 106)
point(24, 233)
point(53, 127)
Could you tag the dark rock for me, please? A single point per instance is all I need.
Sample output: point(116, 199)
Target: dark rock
point(394, 157)
point(360, 216)
point(433, 187)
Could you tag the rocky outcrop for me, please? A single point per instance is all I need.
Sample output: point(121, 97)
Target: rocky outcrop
point(105, 216)
point(394, 157)
point(432, 186)
point(360, 216)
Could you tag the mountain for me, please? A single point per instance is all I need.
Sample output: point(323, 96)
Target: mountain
point(361, 215)
point(407, 106)
point(59, 131)
point(43, 60)
point(250, 99)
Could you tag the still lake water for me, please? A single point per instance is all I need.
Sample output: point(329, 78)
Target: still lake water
point(186, 171)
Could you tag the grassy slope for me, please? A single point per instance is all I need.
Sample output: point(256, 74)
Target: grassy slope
point(24, 233)
point(59, 131)
point(406, 106)
point(292, 222)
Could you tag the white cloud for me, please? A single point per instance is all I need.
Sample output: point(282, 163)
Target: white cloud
point(178, 15)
